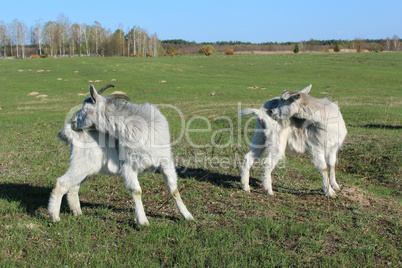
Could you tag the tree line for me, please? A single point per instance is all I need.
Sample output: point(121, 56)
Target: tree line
point(358, 45)
point(63, 38)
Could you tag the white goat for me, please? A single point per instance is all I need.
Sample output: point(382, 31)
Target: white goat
point(116, 138)
point(300, 123)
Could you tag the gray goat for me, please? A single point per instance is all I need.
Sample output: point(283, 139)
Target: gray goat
point(296, 122)
point(116, 138)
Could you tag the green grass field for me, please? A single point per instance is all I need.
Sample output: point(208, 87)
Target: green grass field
point(299, 226)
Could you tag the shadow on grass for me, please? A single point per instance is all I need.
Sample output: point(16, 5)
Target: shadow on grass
point(297, 192)
point(30, 197)
point(33, 198)
point(380, 126)
point(230, 181)
point(215, 178)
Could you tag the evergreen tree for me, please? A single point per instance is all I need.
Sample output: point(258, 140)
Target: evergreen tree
point(296, 49)
point(336, 48)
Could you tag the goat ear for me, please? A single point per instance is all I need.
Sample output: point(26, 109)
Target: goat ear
point(94, 94)
point(284, 95)
point(306, 90)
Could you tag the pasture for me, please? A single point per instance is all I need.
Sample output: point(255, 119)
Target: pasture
point(200, 97)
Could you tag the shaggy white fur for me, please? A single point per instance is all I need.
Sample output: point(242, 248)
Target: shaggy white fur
point(300, 123)
point(117, 138)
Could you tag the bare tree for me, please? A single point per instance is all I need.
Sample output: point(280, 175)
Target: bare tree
point(144, 43)
point(96, 32)
point(87, 34)
point(129, 40)
point(395, 42)
point(50, 31)
point(80, 36)
point(121, 32)
point(102, 39)
point(77, 36)
point(154, 45)
point(74, 38)
point(20, 32)
point(9, 37)
point(16, 25)
point(3, 38)
point(134, 41)
point(23, 29)
point(358, 44)
point(37, 33)
point(387, 44)
point(63, 24)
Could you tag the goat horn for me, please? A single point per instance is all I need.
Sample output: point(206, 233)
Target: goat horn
point(119, 96)
point(104, 88)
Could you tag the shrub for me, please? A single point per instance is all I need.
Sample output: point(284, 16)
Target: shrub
point(207, 50)
point(375, 47)
point(171, 51)
point(336, 48)
point(358, 44)
point(35, 57)
point(252, 52)
point(296, 49)
point(229, 51)
point(132, 55)
point(149, 54)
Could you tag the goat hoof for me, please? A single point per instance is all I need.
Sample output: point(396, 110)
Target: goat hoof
point(336, 188)
point(331, 193)
point(55, 219)
point(269, 193)
point(246, 188)
point(76, 214)
point(143, 223)
point(189, 217)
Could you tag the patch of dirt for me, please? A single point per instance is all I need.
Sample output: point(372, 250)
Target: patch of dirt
point(256, 87)
point(355, 195)
point(28, 225)
point(118, 92)
point(41, 96)
point(33, 93)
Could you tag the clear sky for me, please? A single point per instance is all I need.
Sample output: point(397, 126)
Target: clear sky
point(254, 21)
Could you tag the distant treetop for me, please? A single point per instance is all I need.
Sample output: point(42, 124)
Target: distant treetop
point(178, 42)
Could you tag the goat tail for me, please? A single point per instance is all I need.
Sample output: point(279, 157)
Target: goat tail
point(258, 113)
point(66, 134)
point(261, 115)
